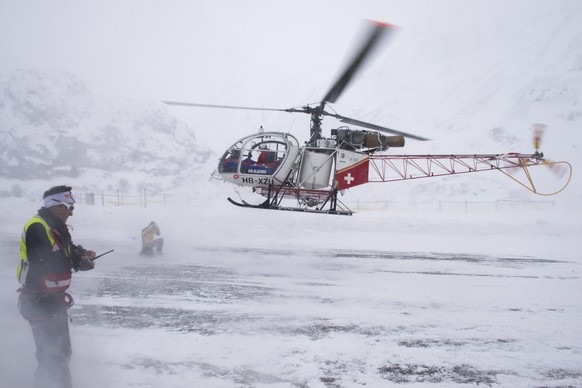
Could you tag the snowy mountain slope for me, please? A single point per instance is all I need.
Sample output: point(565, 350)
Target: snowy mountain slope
point(472, 77)
point(477, 84)
point(53, 127)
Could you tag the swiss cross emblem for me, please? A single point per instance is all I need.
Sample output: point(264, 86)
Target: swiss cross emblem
point(349, 178)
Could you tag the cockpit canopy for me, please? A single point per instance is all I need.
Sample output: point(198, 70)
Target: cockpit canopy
point(259, 154)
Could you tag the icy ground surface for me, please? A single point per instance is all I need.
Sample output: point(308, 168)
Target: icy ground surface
point(250, 298)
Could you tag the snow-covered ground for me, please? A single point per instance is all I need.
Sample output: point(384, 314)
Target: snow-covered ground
point(253, 298)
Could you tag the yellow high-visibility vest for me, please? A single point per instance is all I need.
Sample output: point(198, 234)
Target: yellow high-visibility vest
point(22, 269)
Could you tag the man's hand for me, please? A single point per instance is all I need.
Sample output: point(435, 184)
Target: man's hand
point(87, 262)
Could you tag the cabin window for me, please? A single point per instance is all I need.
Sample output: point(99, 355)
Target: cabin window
point(263, 157)
point(229, 161)
point(261, 154)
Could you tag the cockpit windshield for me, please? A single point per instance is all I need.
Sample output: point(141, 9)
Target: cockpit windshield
point(263, 159)
point(257, 155)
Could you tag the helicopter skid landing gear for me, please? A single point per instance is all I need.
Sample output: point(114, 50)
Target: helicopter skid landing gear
point(274, 197)
point(292, 209)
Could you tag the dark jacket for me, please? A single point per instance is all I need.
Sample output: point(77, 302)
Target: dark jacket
point(41, 258)
point(35, 304)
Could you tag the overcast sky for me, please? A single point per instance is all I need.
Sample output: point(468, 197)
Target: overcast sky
point(287, 53)
point(158, 49)
point(184, 49)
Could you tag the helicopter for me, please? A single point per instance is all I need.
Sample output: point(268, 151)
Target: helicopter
point(278, 167)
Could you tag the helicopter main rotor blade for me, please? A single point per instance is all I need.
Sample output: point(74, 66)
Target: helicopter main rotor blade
point(377, 32)
point(222, 106)
point(377, 127)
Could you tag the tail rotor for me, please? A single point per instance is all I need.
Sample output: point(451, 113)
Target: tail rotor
point(538, 133)
point(523, 172)
point(560, 169)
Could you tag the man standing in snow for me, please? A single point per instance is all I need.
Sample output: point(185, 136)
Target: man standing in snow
point(47, 258)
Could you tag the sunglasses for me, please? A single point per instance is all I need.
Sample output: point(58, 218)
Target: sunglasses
point(70, 207)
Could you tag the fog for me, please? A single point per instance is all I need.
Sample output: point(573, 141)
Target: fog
point(271, 299)
point(449, 282)
point(454, 70)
